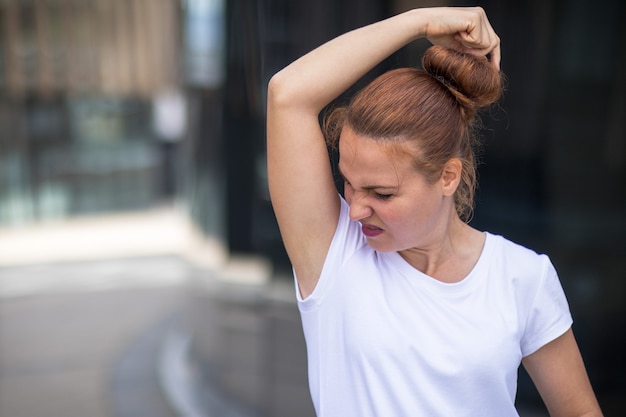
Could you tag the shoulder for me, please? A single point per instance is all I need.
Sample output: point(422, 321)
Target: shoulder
point(516, 257)
point(348, 238)
point(347, 244)
point(523, 270)
point(537, 295)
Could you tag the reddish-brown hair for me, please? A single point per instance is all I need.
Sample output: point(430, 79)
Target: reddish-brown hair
point(434, 109)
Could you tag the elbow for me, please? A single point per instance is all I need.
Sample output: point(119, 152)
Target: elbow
point(289, 94)
point(273, 90)
point(279, 92)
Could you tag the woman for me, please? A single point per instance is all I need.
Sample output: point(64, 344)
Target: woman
point(407, 310)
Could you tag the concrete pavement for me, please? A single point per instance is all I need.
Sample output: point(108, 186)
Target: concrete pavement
point(76, 352)
point(85, 307)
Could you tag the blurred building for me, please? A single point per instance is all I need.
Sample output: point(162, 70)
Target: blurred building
point(109, 105)
point(77, 81)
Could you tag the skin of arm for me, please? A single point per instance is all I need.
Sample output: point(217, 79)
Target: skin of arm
point(302, 189)
point(558, 372)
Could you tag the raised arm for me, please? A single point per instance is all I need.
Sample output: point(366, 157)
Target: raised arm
point(300, 178)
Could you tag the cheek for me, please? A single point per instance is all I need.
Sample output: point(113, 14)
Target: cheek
point(393, 215)
point(414, 214)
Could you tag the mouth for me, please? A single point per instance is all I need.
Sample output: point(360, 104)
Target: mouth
point(371, 230)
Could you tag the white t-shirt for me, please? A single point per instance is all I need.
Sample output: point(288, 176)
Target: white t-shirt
point(386, 340)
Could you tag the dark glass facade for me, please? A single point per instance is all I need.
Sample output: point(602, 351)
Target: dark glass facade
point(553, 169)
point(554, 175)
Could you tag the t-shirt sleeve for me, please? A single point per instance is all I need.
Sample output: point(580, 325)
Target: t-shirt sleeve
point(347, 239)
point(549, 316)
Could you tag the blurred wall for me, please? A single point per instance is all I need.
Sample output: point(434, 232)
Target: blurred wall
point(77, 84)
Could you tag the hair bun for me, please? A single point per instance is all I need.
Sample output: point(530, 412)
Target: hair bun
point(473, 80)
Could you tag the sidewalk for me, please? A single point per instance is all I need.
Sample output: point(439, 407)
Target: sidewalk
point(85, 306)
point(87, 350)
point(159, 231)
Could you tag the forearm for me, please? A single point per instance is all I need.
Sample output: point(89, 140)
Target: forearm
point(318, 77)
point(314, 80)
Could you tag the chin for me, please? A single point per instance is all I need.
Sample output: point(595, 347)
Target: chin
point(381, 246)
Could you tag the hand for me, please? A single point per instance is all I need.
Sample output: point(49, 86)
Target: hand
point(465, 29)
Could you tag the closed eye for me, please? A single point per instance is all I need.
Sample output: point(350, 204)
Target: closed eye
point(381, 196)
point(371, 189)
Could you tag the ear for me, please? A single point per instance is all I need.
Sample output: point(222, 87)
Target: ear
point(451, 176)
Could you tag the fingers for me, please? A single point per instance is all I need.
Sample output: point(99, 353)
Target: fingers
point(492, 40)
point(495, 57)
point(467, 30)
point(492, 50)
point(481, 39)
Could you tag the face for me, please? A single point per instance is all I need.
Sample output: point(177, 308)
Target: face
point(397, 208)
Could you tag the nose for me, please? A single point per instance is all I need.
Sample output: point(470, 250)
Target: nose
point(359, 209)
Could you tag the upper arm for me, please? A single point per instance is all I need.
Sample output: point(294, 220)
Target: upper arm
point(558, 371)
point(301, 184)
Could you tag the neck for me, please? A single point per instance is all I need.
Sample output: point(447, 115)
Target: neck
point(451, 255)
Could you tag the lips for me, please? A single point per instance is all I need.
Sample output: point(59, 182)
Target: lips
point(371, 230)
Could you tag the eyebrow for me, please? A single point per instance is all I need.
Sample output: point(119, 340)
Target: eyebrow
point(369, 187)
